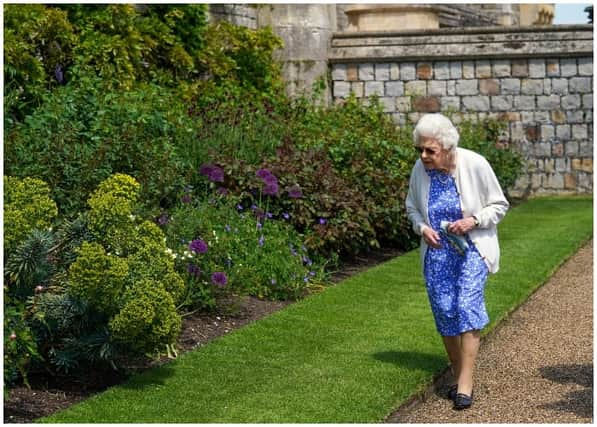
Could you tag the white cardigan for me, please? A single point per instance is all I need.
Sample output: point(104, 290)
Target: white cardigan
point(480, 195)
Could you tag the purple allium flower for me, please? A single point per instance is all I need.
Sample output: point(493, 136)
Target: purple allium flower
point(323, 221)
point(263, 173)
point(194, 270)
point(198, 246)
point(270, 179)
point(185, 199)
point(270, 189)
point(212, 172)
point(295, 192)
point(261, 240)
point(286, 215)
point(206, 169)
point(216, 175)
point(163, 219)
point(219, 278)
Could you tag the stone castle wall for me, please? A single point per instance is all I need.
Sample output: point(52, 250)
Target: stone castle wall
point(538, 79)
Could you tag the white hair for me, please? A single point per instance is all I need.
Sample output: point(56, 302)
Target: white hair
point(437, 126)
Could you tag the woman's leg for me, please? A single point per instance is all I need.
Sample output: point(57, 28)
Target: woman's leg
point(469, 348)
point(453, 346)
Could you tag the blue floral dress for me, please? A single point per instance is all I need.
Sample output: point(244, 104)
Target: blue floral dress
point(455, 282)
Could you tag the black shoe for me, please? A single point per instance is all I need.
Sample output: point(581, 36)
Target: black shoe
point(452, 391)
point(462, 401)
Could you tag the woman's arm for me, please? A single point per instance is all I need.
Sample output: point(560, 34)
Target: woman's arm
point(496, 205)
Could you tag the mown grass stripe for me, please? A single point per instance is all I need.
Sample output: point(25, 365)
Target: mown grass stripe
point(348, 355)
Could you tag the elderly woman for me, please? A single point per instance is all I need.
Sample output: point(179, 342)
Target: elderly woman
point(455, 203)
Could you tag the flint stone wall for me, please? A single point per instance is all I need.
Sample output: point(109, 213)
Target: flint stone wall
point(539, 79)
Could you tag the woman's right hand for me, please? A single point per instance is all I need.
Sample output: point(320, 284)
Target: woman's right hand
point(431, 237)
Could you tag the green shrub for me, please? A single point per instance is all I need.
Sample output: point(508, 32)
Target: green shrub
point(98, 278)
point(84, 133)
point(370, 153)
point(243, 55)
point(27, 206)
point(257, 254)
point(20, 348)
point(126, 255)
point(330, 213)
point(147, 319)
point(29, 265)
point(38, 45)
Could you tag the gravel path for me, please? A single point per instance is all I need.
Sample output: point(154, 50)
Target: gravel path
point(537, 366)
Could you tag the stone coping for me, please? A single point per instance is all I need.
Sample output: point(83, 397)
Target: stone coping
point(463, 43)
point(468, 30)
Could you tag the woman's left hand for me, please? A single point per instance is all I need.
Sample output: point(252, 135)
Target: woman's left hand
point(462, 226)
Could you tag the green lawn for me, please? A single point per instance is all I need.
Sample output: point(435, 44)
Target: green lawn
point(351, 354)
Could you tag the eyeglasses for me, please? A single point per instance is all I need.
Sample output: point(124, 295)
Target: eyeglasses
point(428, 151)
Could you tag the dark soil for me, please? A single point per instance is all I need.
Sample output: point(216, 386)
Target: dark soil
point(50, 394)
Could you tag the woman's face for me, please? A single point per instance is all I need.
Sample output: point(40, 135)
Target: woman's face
point(433, 155)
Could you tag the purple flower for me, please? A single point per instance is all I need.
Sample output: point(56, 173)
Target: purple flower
point(227, 228)
point(261, 241)
point(259, 225)
point(217, 174)
point(59, 74)
point(269, 215)
point(198, 246)
point(270, 189)
point(270, 179)
point(163, 219)
point(295, 192)
point(194, 270)
point(206, 169)
point(219, 278)
point(274, 281)
point(286, 215)
point(239, 207)
point(263, 173)
point(212, 172)
point(323, 221)
point(186, 199)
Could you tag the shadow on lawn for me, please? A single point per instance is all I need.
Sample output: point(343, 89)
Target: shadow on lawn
point(154, 377)
point(413, 360)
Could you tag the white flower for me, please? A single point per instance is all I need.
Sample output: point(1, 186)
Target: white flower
point(171, 253)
